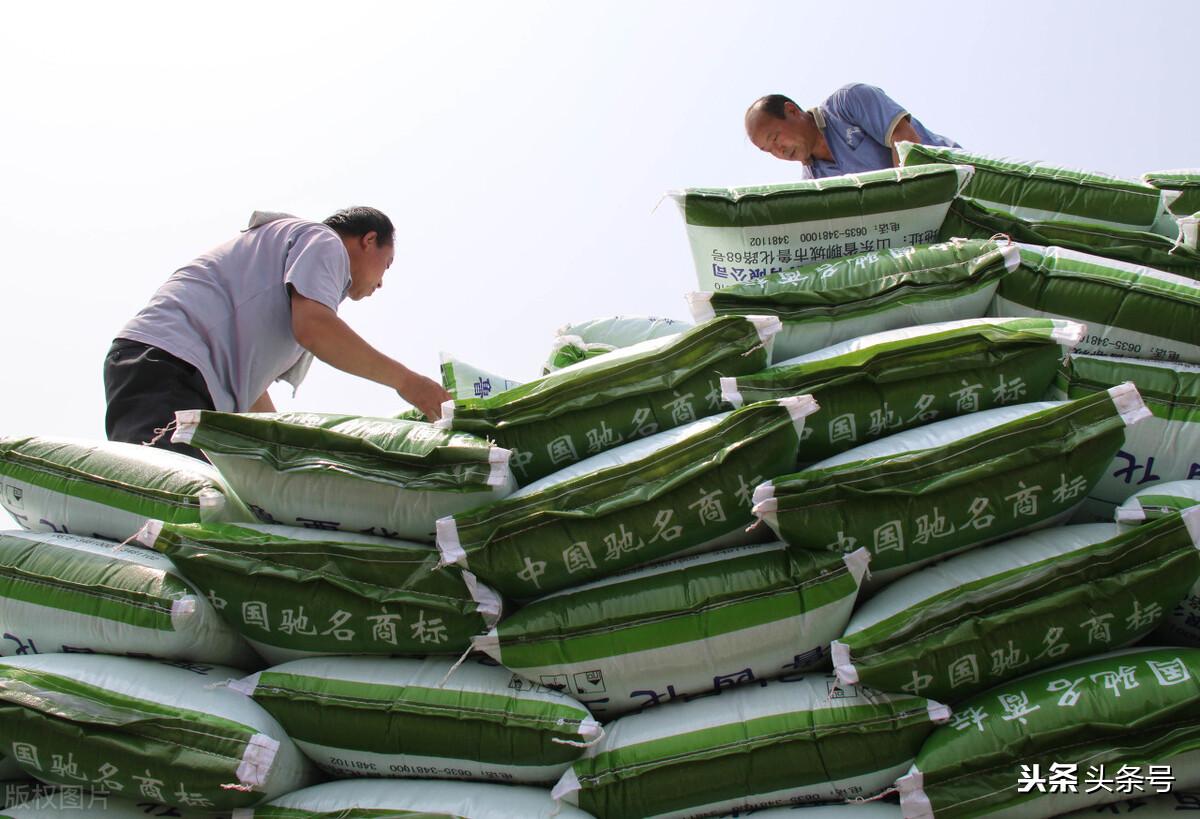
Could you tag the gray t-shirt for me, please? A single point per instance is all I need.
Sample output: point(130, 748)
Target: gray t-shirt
point(229, 313)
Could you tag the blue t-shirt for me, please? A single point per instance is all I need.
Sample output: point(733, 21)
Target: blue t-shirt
point(856, 121)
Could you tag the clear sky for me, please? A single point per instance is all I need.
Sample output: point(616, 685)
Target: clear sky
point(520, 147)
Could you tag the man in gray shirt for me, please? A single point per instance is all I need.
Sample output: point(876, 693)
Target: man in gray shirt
point(250, 312)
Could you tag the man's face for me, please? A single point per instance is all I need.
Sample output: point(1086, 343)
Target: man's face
point(368, 262)
point(786, 138)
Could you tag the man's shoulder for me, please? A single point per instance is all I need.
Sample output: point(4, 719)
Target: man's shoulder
point(846, 98)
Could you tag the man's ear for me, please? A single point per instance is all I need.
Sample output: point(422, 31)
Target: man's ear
point(369, 239)
point(791, 109)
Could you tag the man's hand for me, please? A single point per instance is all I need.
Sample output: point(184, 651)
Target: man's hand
point(426, 395)
point(903, 132)
point(319, 330)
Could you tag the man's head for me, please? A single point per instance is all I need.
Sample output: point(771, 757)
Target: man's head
point(780, 127)
point(370, 242)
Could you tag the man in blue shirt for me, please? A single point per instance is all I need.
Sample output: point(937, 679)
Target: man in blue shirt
point(855, 130)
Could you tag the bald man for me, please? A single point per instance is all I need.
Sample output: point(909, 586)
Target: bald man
point(855, 130)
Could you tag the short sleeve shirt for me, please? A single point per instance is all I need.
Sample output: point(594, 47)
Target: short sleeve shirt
point(229, 312)
point(857, 122)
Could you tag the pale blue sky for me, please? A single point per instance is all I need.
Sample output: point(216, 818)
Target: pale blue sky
point(520, 147)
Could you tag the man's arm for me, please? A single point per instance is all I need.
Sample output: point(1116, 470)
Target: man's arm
point(263, 404)
point(319, 330)
point(902, 132)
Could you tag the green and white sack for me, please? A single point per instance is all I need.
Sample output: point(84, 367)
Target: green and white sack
point(822, 304)
point(803, 739)
point(966, 218)
point(366, 716)
point(380, 476)
point(574, 343)
point(65, 593)
point(164, 731)
point(684, 490)
point(740, 235)
point(683, 627)
point(464, 380)
point(977, 620)
point(1137, 708)
point(299, 592)
point(64, 803)
point(107, 489)
point(362, 798)
point(560, 419)
point(1184, 180)
point(929, 492)
point(1159, 500)
point(1164, 447)
point(1037, 191)
point(1130, 311)
point(880, 384)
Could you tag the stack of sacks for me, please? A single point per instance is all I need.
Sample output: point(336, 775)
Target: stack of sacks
point(825, 303)
point(1032, 202)
point(741, 235)
point(560, 419)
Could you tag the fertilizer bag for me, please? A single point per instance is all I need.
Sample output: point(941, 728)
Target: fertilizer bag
point(300, 592)
point(740, 235)
point(685, 489)
point(1130, 311)
point(107, 489)
point(463, 380)
point(65, 593)
point(393, 717)
point(979, 619)
point(929, 492)
point(1136, 708)
point(825, 303)
point(797, 740)
point(574, 343)
point(682, 627)
point(427, 799)
point(380, 476)
point(562, 418)
point(883, 383)
point(132, 726)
